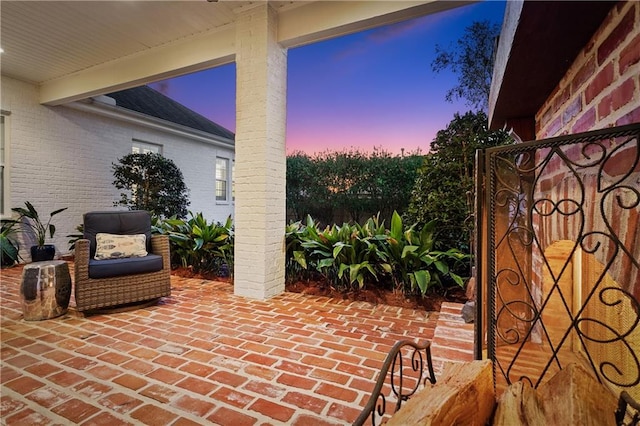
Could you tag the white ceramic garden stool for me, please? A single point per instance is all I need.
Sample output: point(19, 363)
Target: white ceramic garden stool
point(45, 290)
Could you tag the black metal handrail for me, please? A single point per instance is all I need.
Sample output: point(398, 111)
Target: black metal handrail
point(628, 409)
point(394, 365)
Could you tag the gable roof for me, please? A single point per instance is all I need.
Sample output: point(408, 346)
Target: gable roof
point(145, 100)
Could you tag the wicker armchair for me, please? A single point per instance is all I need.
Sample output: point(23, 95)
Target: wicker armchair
point(111, 283)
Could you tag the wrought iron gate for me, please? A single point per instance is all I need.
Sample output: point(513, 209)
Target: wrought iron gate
point(558, 258)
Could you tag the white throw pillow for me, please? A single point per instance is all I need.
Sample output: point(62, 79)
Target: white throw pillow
point(112, 246)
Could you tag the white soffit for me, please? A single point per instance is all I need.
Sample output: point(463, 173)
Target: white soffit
point(78, 49)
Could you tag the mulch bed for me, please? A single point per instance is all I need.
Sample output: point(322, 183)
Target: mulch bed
point(375, 296)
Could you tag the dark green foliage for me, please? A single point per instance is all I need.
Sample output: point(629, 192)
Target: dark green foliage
point(154, 183)
point(414, 263)
point(9, 247)
point(352, 255)
point(348, 256)
point(305, 193)
point(349, 185)
point(204, 246)
point(390, 181)
point(344, 255)
point(445, 183)
point(472, 60)
point(73, 238)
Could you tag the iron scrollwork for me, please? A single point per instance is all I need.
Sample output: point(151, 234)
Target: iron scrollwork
point(584, 202)
point(628, 412)
point(404, 380)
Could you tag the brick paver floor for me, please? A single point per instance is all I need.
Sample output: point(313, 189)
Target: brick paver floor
point(201, 356)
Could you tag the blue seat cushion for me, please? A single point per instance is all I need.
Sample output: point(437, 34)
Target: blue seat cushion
point(127, 266)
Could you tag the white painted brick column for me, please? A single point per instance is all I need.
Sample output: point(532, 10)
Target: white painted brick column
point(261, 106)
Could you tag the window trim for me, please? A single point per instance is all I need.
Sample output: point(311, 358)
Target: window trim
point(144, 144)
point(233, 181)
point(226, 180)
point(6, 162)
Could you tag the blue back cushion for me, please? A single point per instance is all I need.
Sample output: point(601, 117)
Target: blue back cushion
point(116, 222)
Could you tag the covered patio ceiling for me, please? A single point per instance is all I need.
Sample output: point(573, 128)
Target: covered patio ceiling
point(77, 49)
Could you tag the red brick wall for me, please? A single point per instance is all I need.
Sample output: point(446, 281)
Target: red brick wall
point(602, 86)
point(601, 89)
point(578, 192)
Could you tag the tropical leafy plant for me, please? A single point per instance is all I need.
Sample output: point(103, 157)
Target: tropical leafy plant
point(413, 262)
point(9, 246)
point(345, 255)
point(204, 246)
point(34, 222)
point(73, 238)
point(295, 259)
point(353, 254)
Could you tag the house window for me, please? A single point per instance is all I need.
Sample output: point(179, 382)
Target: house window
point(4, 165)
point(222, 179)
point(140, 147)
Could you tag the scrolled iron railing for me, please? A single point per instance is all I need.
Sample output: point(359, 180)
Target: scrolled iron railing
point(580, 189)
point(628, 412)
point(401, 387)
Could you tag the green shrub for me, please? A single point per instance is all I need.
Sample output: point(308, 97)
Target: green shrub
point(348, 256)
point(206, 247)
point(444, 185)
point(352, 254)
point(412, 261)
point(343, 255)
point(153, 183)
point(349, 184)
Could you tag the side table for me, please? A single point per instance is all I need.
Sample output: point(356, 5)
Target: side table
point(45, 289)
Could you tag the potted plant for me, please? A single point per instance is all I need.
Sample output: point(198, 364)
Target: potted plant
point(40, 251)
point(8, 244)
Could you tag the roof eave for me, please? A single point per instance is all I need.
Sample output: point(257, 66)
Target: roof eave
point(123, 114)
point(538, 43)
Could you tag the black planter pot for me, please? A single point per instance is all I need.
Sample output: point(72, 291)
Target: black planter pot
point(45, 252)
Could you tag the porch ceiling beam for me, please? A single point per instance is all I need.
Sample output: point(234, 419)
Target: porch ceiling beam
point(323, 20)
point(195, 54)
point(299, 25)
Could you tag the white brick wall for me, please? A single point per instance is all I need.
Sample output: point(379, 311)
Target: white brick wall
point(61, 157)
point(261, 66)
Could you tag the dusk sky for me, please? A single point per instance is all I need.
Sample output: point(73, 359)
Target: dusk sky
point(365, 90)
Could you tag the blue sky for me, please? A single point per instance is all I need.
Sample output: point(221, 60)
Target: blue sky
point(365, 90)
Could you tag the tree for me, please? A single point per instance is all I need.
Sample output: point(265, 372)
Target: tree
point(304, 193)
point(445, 183)
point(154, 183)
point(472, 60)
point(345, 175)
point(349, 185)
point(391, 181)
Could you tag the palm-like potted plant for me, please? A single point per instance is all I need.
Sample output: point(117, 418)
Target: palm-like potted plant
point(29, 217)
